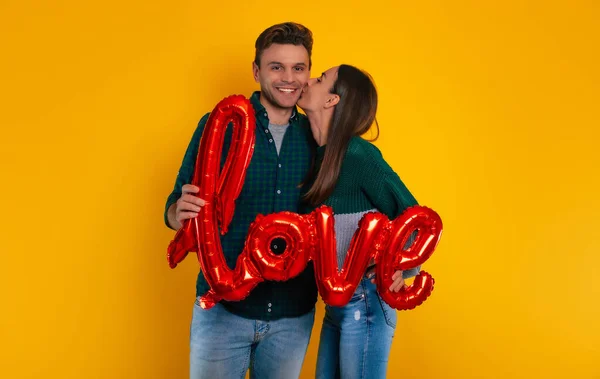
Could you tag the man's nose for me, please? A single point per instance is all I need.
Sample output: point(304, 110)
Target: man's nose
point(288, 76)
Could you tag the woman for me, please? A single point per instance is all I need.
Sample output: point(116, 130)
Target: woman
point(351, 176)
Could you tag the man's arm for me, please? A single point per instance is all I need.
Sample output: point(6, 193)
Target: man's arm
point(185, 208)
point(181, 203)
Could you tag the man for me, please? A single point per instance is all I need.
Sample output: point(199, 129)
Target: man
point(267, 332)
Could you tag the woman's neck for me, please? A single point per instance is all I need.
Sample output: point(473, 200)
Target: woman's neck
point(320, 123)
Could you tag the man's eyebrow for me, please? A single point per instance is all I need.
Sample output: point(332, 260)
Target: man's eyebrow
point(296, 64)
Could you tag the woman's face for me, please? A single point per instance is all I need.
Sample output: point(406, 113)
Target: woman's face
point(316, 94)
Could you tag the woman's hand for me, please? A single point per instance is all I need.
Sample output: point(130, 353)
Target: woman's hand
point(397, 278)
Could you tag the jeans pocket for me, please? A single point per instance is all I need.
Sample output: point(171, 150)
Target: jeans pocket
point(389, 313)
point(359, 293)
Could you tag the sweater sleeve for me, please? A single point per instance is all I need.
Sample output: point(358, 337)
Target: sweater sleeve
point(186, 171)
point(388, 194)
point(384, 188)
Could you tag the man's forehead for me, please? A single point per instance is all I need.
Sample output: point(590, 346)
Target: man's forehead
point(290, 54)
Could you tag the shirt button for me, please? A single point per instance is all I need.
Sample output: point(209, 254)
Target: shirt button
point(265, 114)
point(269, 309)
point(279, 192)
point(266, 130)
point(279, 165)
point(270, 140)
point(270, 305)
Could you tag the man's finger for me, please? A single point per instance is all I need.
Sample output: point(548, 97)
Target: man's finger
point(186, 215)
point(184, 206)
point(193, 199)
point(190, 188)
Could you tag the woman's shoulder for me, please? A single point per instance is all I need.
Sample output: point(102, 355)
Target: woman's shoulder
point(363, 153)
point(360, 148)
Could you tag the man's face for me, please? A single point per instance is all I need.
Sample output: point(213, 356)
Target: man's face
point(284, 71)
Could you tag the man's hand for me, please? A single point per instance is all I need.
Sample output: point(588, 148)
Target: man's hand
point(188, 204)
point(186, 207)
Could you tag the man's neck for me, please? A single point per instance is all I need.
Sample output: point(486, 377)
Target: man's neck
point(277, 116)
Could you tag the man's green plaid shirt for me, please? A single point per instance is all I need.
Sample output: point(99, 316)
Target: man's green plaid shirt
point(271, 185)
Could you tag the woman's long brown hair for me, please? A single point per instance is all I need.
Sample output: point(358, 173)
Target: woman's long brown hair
point(353, 116)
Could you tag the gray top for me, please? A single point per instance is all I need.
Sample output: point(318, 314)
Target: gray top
point(278, 131)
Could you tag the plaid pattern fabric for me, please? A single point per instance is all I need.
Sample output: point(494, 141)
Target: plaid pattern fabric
point(271, 185)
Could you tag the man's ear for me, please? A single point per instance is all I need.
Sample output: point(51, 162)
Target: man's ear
point(255, 70)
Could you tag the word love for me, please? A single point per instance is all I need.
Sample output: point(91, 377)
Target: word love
point(307, 237)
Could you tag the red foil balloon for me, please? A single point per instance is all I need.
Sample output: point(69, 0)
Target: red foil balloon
point(232, 179)
point(291, 227)
point(307, 236)
point(335, 285)
point(201, 234)
point(393, 257)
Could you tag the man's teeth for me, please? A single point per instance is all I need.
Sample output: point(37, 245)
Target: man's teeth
point(287, 90)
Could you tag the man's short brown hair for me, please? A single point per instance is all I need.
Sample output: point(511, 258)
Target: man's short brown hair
point(288, 33)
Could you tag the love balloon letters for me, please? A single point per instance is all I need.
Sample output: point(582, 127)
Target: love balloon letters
point(307, 237)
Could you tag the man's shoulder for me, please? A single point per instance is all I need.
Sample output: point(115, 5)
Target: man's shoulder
point(200, 127)
point(203, 120)
point(302, 121)
point(302, 117)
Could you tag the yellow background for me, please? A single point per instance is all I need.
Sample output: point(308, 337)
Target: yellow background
point(489, 112)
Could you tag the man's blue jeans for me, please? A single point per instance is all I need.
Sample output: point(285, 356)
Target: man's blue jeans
point(224, 346)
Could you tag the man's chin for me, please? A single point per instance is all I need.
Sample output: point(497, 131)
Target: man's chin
point(282, 102)
point(287, 103)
